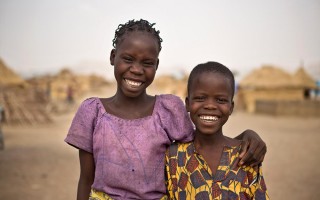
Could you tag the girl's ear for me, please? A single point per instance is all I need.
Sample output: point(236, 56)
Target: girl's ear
point(158, 61)
point(112, 56)
point(187, 104)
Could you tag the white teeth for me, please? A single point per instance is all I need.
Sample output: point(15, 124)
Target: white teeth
point(133, 83)
point(209, 118)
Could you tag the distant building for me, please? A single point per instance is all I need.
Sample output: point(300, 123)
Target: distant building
point(272, 90)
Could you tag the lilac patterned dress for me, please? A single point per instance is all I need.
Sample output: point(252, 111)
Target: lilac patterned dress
point(129, 154)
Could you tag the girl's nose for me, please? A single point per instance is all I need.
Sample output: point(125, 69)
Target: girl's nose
point(136, 68)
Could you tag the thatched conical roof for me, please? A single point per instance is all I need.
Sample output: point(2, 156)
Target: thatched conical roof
point(268, 77)
point(303, 79)
point(8, 77)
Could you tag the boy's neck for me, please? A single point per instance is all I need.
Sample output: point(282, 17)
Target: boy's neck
point(214, 140)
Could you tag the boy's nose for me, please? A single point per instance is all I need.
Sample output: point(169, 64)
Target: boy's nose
point(210, 104)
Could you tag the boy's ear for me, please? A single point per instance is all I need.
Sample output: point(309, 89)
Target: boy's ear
point(187, 104)
point(112, 56)
point(231, 108)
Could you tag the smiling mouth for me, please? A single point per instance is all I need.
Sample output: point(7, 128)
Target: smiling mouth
point(208, 118)
point(133, 83)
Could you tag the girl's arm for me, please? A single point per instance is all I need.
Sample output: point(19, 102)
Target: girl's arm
point(253, 148)
point(87, 170)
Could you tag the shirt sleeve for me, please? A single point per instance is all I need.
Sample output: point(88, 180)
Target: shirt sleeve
point(175, 119)
point(169, 180)
point(259, 187)
point(80, 133)
point(255, 187)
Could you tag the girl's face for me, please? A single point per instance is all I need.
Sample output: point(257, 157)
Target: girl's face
point(210, 102)
point(135, 61)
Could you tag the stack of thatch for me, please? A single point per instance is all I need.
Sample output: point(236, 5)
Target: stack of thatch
point(22, 103)
point(8, 77)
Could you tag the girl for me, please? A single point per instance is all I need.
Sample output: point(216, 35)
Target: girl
point(122, 139)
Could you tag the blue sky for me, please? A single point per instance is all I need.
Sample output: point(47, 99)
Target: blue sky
point(41, 36)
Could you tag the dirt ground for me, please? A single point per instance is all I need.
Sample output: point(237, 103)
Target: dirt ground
point(36, 163)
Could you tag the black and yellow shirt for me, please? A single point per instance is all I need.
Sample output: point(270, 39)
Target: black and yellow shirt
point(188, 176)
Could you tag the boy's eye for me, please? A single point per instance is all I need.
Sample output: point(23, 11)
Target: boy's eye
point(222, 100)
point(199, 98)
point(148, 64)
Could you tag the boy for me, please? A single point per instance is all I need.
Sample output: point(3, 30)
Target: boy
point(206, 167)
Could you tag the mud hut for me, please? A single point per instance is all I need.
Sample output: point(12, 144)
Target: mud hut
point(272, 90)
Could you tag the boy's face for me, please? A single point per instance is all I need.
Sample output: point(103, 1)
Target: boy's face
point(135, 61)
point(210, 102)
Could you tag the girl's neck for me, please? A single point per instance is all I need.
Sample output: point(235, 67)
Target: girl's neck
point(130, 108)
point(121, 100)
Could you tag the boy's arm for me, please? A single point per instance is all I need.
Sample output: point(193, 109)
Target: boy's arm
point(253, 148)
point(168, 179)
point(259, 187)
point(87, 170)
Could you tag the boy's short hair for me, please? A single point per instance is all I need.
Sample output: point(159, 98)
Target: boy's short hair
point(213, 67)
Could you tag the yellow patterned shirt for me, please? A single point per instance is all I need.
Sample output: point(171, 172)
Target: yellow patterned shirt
point(188, 176)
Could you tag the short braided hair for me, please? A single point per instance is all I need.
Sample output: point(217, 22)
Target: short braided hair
point(139, 25)
point(213, 67)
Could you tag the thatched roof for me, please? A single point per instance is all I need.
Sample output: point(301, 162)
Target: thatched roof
point(8, 76)
point(268, 77)
point(303, 79)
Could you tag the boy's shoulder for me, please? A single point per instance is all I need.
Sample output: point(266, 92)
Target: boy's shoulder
point(232, 141)
point(177, 148)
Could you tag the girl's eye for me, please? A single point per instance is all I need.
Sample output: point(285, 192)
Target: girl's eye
point(127, 59)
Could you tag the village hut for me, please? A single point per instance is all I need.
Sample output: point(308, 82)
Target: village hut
point(168, 84)
point(65, 88)
point(305, 81)
point(270, 89)
point(21, 103)
point(66, 83)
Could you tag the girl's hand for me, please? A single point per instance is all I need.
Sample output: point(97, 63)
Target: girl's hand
point(253, 149)
point(87, 170)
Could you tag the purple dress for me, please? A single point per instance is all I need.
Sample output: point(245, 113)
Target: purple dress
point(129, 154)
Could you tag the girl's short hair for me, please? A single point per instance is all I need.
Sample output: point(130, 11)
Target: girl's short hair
point(139, 25)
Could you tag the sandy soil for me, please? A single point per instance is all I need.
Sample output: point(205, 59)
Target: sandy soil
point(36, 163)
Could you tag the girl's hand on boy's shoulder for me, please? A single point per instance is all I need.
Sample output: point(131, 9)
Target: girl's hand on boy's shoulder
point(253, 149)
